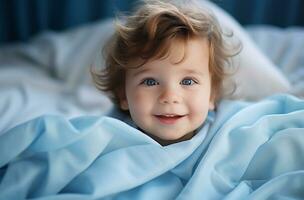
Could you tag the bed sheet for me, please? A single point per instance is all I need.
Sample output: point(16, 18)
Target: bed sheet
point(233, 156)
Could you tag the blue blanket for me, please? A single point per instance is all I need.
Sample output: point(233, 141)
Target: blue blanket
point(246, 151)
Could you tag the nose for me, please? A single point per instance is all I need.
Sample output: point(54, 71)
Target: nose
point(169, 96)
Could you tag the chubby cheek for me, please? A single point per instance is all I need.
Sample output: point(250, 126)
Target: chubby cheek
point(139, 104)
point(198, 108)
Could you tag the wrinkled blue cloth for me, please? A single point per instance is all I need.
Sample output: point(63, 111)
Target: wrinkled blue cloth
point(248, 151)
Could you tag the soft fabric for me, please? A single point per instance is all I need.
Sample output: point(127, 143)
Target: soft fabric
point(245, 151)
point(24, 97)
point(285, 48)
point(69, 54)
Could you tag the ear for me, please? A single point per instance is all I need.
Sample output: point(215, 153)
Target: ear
point(123, 102)
point(212, 102)
point(211, 105)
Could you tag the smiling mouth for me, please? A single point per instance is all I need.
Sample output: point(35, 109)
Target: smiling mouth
point(169, 118)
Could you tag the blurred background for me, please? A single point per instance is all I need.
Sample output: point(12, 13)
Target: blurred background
point(22, 19)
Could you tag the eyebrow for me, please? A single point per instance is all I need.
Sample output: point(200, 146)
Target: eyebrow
point(187, 71)
point(140, 72)
point(191, 71)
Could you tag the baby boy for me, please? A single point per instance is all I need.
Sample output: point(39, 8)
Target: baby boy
point(165, 67)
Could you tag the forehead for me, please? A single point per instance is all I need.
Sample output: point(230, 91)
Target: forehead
point(189, 55)
point(193, 50)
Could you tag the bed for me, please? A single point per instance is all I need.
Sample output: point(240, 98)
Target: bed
point(49, 76)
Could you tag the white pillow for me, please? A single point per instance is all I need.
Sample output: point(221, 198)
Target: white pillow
point(257, 76)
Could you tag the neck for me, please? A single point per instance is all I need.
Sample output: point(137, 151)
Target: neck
point(168, 142)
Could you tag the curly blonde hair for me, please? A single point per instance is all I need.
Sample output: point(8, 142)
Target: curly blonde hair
point(148, 34)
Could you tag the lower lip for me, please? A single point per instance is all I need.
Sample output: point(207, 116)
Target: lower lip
point(168, 120)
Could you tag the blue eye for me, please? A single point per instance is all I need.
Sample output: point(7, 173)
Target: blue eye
point(150, 82)
point(187, 81)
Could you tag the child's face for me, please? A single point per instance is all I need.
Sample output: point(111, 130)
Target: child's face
point(169, 99)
